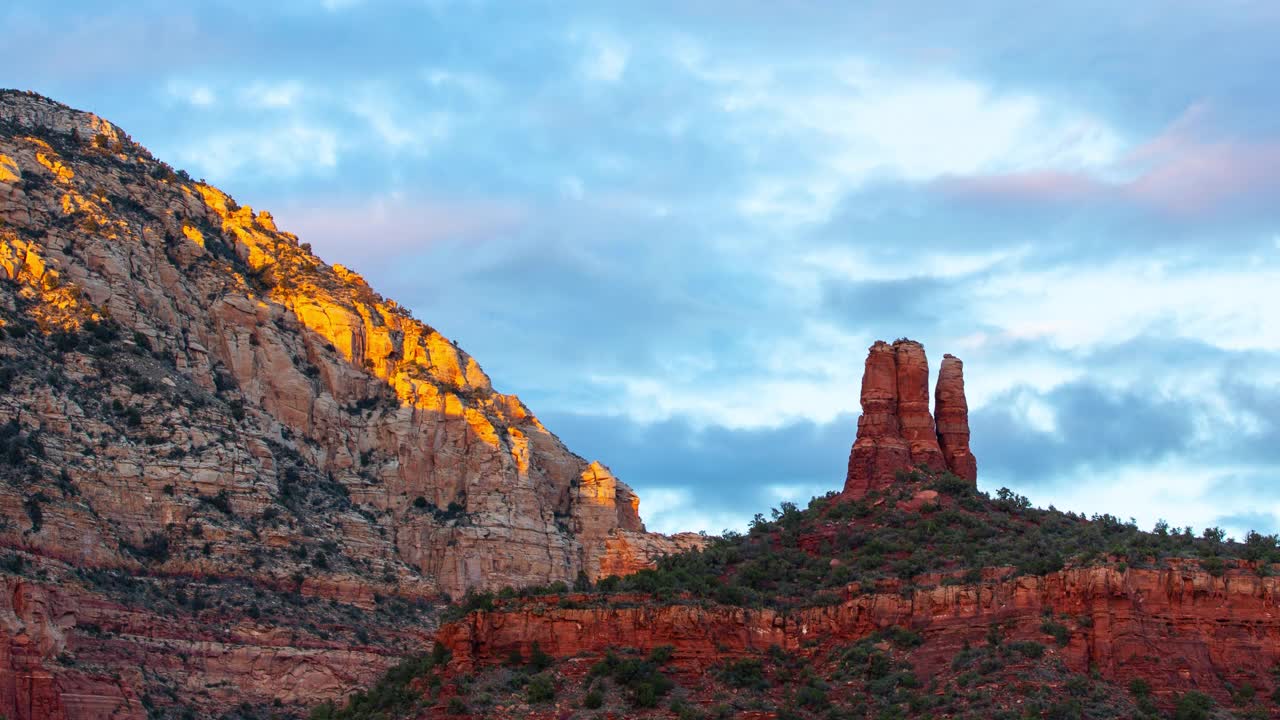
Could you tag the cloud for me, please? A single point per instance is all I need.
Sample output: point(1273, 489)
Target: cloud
point(605, 58)
point(710, 478)
point(195, 95)
point(272, 95)
point(387, 229)
point(850, 121)
point(1029, 434)
point(682, 224)
point(1189, 169)
point(285, 151)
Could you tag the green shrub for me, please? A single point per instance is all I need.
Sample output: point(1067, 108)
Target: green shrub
point(538, 660)
point(541, 688)
point(391, 696)
point(1193, 705)
point(1060, 633)
point(661, 654)
point(747, 673)
point(1028, 648)
point(812, 698)
point(644, 682)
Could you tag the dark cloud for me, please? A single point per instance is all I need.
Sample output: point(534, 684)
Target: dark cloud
point(886, 308)
point(1094, 426)
point(905, 220)
point(721, 468)
point(1263, 522)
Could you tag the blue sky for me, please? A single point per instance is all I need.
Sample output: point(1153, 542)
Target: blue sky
point(674, 228)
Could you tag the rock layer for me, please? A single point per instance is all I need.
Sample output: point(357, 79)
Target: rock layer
point(1177, 627)
point(896, 431)
point(189, 392)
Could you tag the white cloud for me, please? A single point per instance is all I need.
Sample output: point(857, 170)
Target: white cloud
point(193, 94)
point(272, 95)
point(843, 122)
point(787, 381)
point(672, 510)
point(399, 127)
point(571, 187)
point(798, 494)
point(605, 59)
point(474, 85)
point(283, 152)
point(859, 264)
point(1174, 490)
point(1075, 307)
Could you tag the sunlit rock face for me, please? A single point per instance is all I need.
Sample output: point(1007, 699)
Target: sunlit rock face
point(896, 431)
point(192, 393)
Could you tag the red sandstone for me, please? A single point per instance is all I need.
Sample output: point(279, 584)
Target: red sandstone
point(1177, 627)
point(896, 432)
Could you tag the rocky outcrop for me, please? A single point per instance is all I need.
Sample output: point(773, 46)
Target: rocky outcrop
point(880, 449)
point(896, 431)
point(189, 392)
point(913, 405)
point(629, 552)
point(1177, 627)
point(73, 649)
point(953, 419)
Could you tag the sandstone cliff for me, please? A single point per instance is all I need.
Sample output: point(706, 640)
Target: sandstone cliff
point(896, 431)
point(1176, 628)
point(188, 392)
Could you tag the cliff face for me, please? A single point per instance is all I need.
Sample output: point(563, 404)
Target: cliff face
point(1178, 628)
point(189, 392)
point(896, 431)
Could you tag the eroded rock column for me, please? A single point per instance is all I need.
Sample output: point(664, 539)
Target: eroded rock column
point(880, 450)
point(913, 405)
point(953, 419)
point(896, 431)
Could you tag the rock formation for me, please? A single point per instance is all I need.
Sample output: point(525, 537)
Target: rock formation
point(896, 432)
point(189, 393)
point(953, 419)
point(986, 608)
point(913, 404)
point(1176, 627)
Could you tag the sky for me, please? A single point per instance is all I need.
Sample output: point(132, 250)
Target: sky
point(674, 228)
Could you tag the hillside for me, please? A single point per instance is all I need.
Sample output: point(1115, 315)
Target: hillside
point(231, 474)
point(908, 594)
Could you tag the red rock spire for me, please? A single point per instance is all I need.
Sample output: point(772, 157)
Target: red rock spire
point(953, 419)
point(880, 448)
point(913, 405)
point(896, 431)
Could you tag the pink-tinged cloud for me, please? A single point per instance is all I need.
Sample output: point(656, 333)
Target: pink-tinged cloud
point(1037, 186)
point(1187, 169)
point(386, 228)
